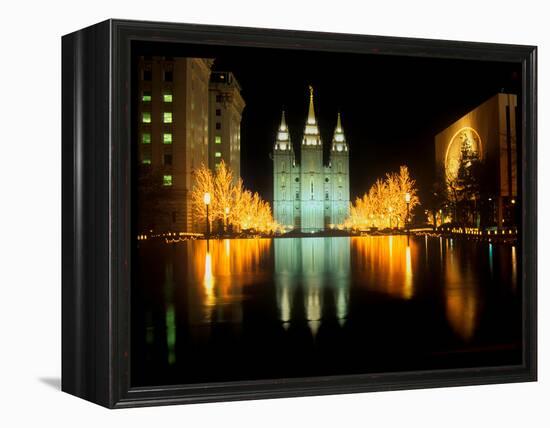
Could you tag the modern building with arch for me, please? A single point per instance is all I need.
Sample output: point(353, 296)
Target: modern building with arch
point(491, 132)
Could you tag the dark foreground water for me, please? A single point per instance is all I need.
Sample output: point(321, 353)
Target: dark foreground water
point(272, 308)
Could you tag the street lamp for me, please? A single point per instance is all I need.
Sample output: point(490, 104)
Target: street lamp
point(207, 203)
point(408, 201)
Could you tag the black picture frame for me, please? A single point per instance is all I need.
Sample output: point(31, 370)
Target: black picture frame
point(97, 204)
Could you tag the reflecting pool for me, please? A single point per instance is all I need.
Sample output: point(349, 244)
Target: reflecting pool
point(270, 308)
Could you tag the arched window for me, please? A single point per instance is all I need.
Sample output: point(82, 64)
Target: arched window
point(283, 166)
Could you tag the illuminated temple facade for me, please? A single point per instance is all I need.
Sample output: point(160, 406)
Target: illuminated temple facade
point(310, 196)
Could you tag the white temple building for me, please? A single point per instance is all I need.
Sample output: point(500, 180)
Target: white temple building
point(310, 196)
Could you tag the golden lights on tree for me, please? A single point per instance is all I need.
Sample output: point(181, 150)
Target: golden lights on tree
point(230, 203)
point(385, 205)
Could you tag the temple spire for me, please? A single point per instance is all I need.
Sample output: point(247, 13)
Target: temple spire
point(283, 137)
point(311, 132)
point(282, 127)
point(339, 139)
point(311, 113)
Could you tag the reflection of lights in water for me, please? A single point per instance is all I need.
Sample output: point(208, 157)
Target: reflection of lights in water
point(461, 312)
point(171, 333)
point(491, 258)
point(461, 299)
point(227, 247)
point(222, 268)
point(514, 267)
point(313, 309)
point(426, 249)
point(208, 281)
point(441, 249)
point(342, 305)
point(285, 306)
point(386, 271)
point(318, 264)
point(407, 292)
point(426, 244)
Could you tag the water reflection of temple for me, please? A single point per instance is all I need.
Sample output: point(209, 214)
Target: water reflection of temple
point(204, 288)
point(311, 268)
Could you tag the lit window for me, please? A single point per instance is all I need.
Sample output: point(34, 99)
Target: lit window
point(167, 138)
point(218, 139)
point(167, 97)
point(146, 117)
point(146, 97)
point(146, 158)
point(146, 138)
point(167, 180)
point(167, 118)
point(218, 155)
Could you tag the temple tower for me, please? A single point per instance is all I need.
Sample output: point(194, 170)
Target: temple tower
point(285, 173)
point(311, 174)
point(339, 175)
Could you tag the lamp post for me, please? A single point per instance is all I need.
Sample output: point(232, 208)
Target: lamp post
point(408, 201)
point(207, 203)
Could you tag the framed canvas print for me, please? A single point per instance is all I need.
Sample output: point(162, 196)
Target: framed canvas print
point(254, 213)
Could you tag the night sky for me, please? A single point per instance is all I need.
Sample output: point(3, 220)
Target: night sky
point(392, 106)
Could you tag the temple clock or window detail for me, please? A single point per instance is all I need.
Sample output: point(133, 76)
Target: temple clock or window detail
point(310, 196)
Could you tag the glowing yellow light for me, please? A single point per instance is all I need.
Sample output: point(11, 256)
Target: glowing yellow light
point(408, 274)
point(207, 198)
point(453, 152)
